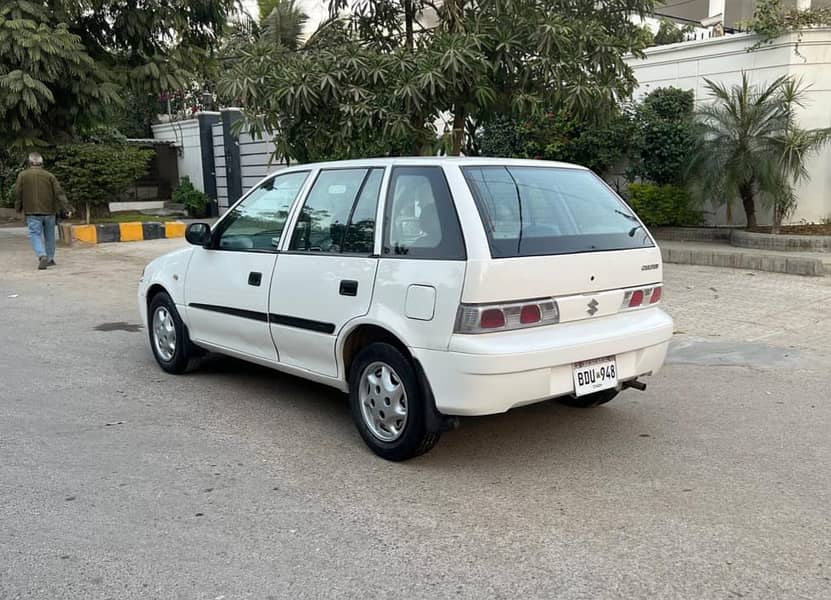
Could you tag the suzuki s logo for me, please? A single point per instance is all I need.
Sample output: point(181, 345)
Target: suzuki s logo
point(592, 307)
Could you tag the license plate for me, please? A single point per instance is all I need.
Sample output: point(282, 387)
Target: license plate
point(595, 375)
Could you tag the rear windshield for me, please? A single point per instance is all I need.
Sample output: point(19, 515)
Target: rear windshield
point(534, 211)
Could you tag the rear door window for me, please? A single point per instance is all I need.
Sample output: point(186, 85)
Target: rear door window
point(534, 211)
point(421, 221)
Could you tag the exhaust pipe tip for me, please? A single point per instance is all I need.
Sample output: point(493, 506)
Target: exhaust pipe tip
point(634, 383)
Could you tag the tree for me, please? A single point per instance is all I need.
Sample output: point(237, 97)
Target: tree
point(395, 65)
point(669, 33)
point(284, 24)
point(561, 137)
point(750, 145)
point(663, 123)
point(65, 63)
point(49, 84)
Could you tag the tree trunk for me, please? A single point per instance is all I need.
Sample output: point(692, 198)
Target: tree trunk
point(409, 17)
point(86, 204)
point(777, 217)
point(748, 202)
point(458, 128)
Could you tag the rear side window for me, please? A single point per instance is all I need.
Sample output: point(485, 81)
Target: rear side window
point(421, 220)
point(534, 211)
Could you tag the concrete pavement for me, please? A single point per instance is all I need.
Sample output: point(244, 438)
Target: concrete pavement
point(120, 481)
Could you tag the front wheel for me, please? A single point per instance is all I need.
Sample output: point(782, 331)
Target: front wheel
point(589, 400)
point(388, 405)
point(168, 336)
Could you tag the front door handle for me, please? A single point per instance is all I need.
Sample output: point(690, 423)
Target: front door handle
point(348, 287)
point(255, 278)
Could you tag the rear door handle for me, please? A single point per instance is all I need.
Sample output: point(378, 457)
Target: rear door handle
point(348, 287)
point(255, 278)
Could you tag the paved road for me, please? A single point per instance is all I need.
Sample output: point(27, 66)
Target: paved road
point(119, 481)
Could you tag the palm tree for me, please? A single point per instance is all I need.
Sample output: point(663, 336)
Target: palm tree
point(750, 146)
point(283, 23)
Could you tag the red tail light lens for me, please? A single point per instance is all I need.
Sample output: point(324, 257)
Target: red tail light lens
point(508, 316)
point(641, 297)
point(492, 318)
point(530, 313)
point(636, 299)
point(656, 295)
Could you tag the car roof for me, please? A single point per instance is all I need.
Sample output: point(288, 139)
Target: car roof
point(437, 161)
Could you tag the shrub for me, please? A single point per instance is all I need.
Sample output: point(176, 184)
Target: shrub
point(9, 168)
point(664, 136)
point(663, 205)
point(558, 136)
point(194, 200)
point(92, 175)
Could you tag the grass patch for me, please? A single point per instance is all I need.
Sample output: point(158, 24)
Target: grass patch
point(807, 229)
point(127, 218)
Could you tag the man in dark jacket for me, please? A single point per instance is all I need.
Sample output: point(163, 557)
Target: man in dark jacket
point(40, 197)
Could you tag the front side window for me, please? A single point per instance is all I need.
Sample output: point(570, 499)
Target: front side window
point(535, 211)
point(256, 224)
point(421, 218)
point(339, 214)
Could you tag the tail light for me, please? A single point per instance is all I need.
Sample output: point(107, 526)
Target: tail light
point(484, 318)
point(640, 297)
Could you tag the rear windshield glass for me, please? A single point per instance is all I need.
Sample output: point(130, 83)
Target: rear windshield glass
point(533, 211)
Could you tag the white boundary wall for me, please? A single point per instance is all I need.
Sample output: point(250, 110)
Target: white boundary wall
point(185, 136)
point(685, 65)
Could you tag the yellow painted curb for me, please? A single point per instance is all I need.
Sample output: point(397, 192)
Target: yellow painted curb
point(131, 232)
point(174, 229)
point(85, 233)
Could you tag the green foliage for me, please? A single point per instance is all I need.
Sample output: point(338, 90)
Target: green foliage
point(10, 165)
point(283, 24)
point(558, 136)
point(663, 205)
point(64, 64)
point(664, 136)
point(670, 33)
point(194, 200)
point(49, 84)
point(771, 19)
point(96, 174)
point(380, 74)
point(751, 146)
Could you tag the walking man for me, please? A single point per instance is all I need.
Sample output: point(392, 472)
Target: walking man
point(40, 197)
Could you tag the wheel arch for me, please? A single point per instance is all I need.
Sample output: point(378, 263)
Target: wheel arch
point(361, 335)
point(365, 333)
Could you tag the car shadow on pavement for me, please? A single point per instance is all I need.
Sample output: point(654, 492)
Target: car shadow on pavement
point(537, 433)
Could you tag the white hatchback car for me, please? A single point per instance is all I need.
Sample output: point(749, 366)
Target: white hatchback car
point(426, 288)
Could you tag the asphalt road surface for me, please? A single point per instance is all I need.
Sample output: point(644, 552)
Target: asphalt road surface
point(120, 481)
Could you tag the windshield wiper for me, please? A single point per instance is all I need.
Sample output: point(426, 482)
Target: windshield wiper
point(627, 215)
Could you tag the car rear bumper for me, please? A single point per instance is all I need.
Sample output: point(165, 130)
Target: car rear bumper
point(487, 374)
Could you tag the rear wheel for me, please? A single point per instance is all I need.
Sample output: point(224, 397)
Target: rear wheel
point(169, 337)
point(589, 400)
point(387, 403)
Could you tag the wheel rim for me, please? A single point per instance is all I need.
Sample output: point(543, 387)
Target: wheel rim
point(164, 333)
point(383, 402)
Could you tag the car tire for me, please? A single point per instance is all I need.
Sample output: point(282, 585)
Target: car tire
point(589, 400)
point(388, 404)
point(169, 339)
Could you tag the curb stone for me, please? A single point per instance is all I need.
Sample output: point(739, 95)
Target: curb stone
point(122, 232)
point(775, 263)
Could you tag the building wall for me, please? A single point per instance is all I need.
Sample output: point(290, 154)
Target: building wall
point(185, 136)
point(735, 11)
point(687, 64)
point(693, 10)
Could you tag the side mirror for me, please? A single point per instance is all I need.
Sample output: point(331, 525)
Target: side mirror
point(198, 234)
